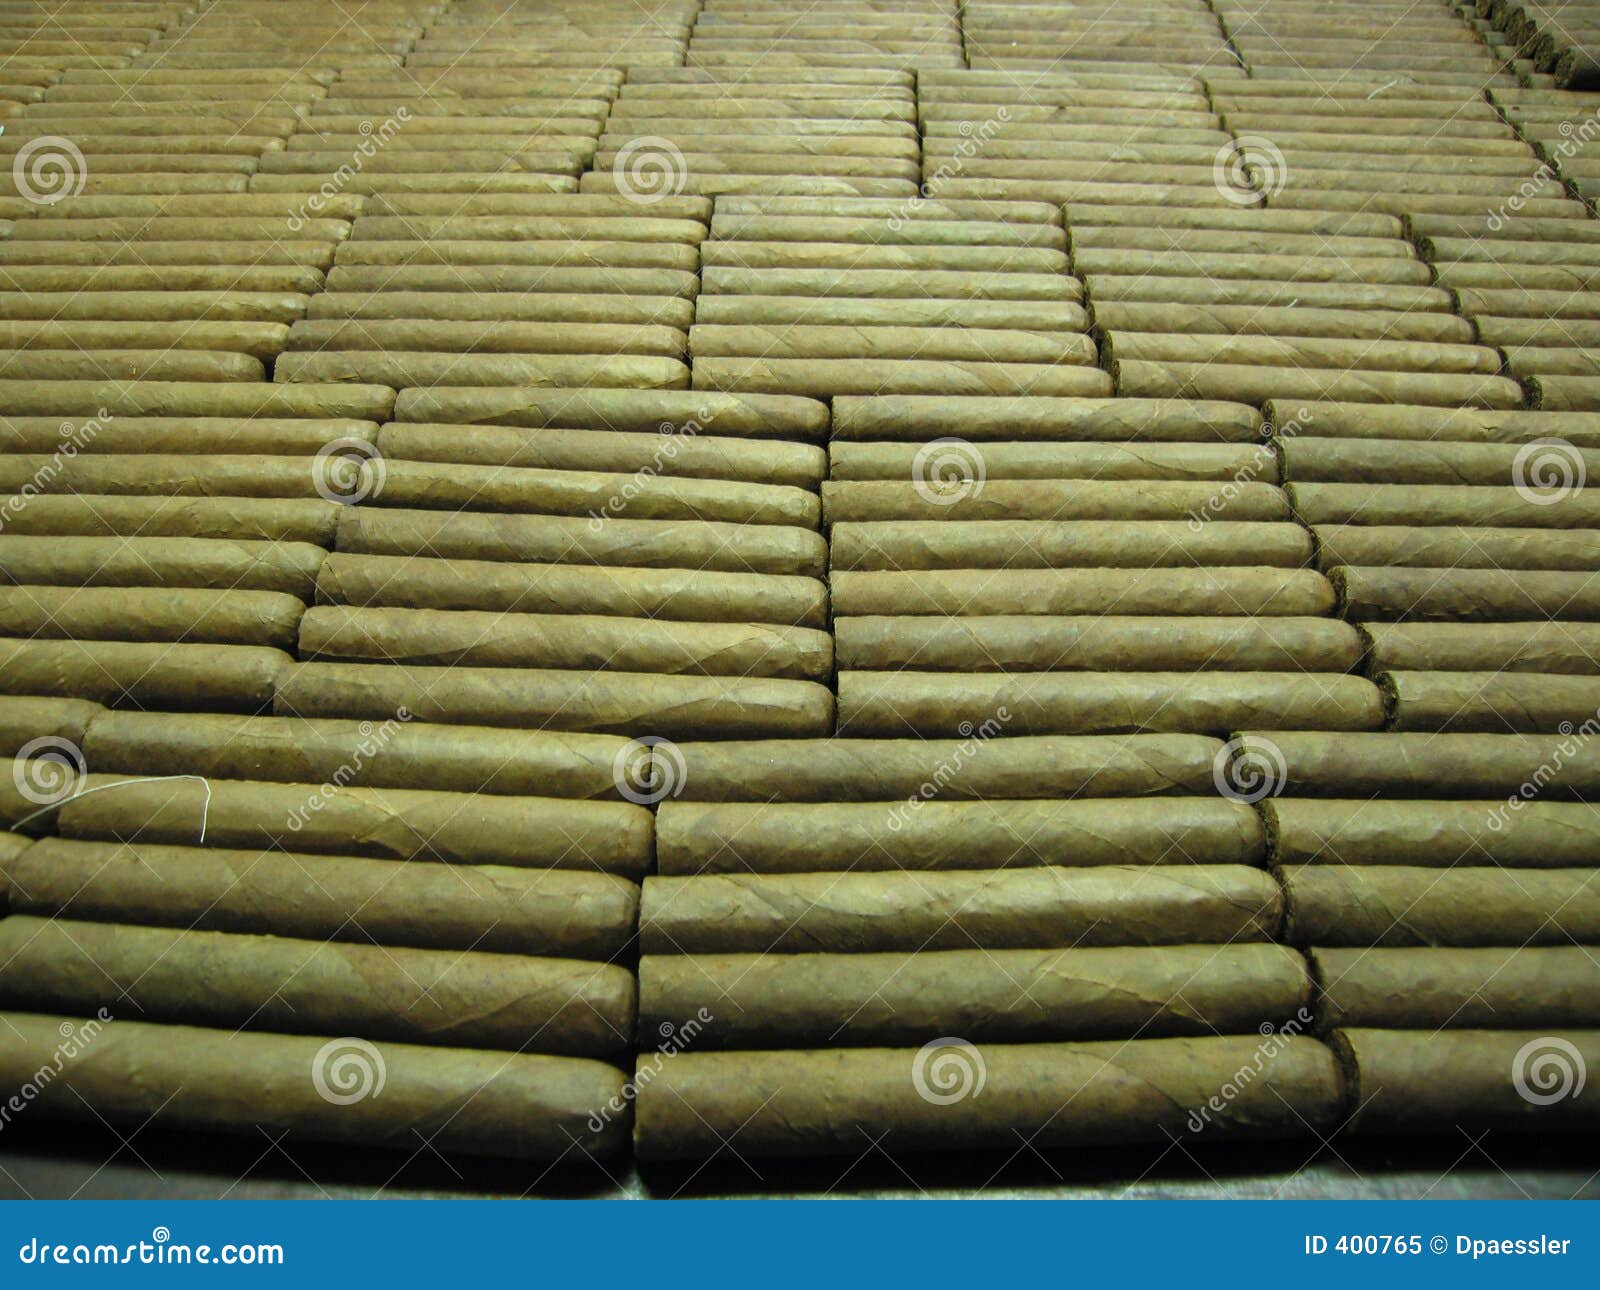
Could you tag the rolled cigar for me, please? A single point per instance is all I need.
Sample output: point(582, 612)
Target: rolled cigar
point(602, 497)
point(1375, 461)
point(261, 340)
point(742, 416)
point(1467, 595)
point(498, 279)
point(231, 617)
point(853, 770)
point(1532, 834)
point(1396, 905)
point(58, 397)
point(709, 183)
point(965, 258)
point(959, 495)
point(449, 997)
point(789, 342)
point(776, 225)
point(890, 284)
point(906, 545)
point(1439, 504)
point(1343, 356)
point(685, 455)
point(820, 377)
point(1518, 252)
point(1408, 989)
point(1056, 1095)
point(395, 368)
point(199, 230)
point(869, 213)
point(1257, 219)
point(163, 475)
point(175, 435)
point(916, 418)
point(564, 223)
point(126, 365)
point(1070, 192)
point(501, 180)
point(392, 824)
point(1492, 702)
point(1449, 547)
point(555, 161)
point(1245, 320)
point(1169, 379)
point(1069, 592)
point(1369, 421)
point(677, 707)
point(1112, 643)
point(26, 718)
point(653, 544)
point(1391, 270)
point(495, 1104)
point(1046, 316)
point(1187, 461)
point(1524, 302)
point(559, 914)
point(89, 278)
point(170, 677)
point(502, 306)
point(912, 832)
point(152, 307)
point(1528, 360)
point(1502, 276)
point(1269, 293)
point(589, 641)
point(172, 562)
point(1410, 1081)
point(1565, 648)
point(1040, 908)
point(142, 253)
point(815, 1000)
point(1518, 334)
point(1291, 247)
point(484, 337)
point(1564, 393)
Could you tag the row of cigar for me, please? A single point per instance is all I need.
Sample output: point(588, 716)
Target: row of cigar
point(1558, 40)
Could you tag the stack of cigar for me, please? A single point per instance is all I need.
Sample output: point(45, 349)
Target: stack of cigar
point(1148, 139)
point(352, 931)
point(829, 296)
point(226, 35)
point(591, 560)
point(737, 37)
point(1444, 887)
point(1102, 36)
point(1464, 545)
point(1561, 41)
point(560, 289)
point(1352, 41)
point(953, 944)
point(577, 34)
point(1084, 567)
point(768, 128)
point(38, 42)
point(160, 541)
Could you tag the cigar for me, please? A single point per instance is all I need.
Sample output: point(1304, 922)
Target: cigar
point(312, 254)
point(563, 222)
point(914, 418)
point(169, 677)
point(1252, 220)
point(1368, 421)
point(856, 770)
point(1326, 324)
point(994, 995)
point(1467, 595)
point(848, 256)
point(1439, 504)
point(455, 998)
point(1037, 908)
point(819, 377)
point(1539, 647)
point(1299, 353)
point(1564, 393)
point(484, 337)
point(226, 278)
point(1055, 461)
point(1433, 989)
point(726, 547)
point(933, 703)
point(1407, 1081)
point(588, 641)
point(1044, 316)
point(708, 181)
point(220, 566)
point(1040, 499)
point(685, 455)
point(126, 365)
point(1257, 384)
point(1327, 460)
point(502, 306)
point(397, 753)
point(1392, 270)
point(152, 307)
point(501, 179)
point(1518, 333)
point(823, 344)
point(911, 832)
point(58, 397)
point(231, 617)
point(173, 436)
point(892, 284)
point(1451, 547)
point(23, 718)
point(679, 707)
point(1111, 643)
point(1521, 302)
point(1490, 701)
point(1269, 293)
point(260, 340)
point(909, 545)
point(496, 278)
point(1525, 361)
point(391, 824)
point(956, 592)
point(1397, 905)
point(489, 908)
point(1056, 1095)
point(396, 368)
point(1037, 227)
point(495, 1104)
point(176, 475)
